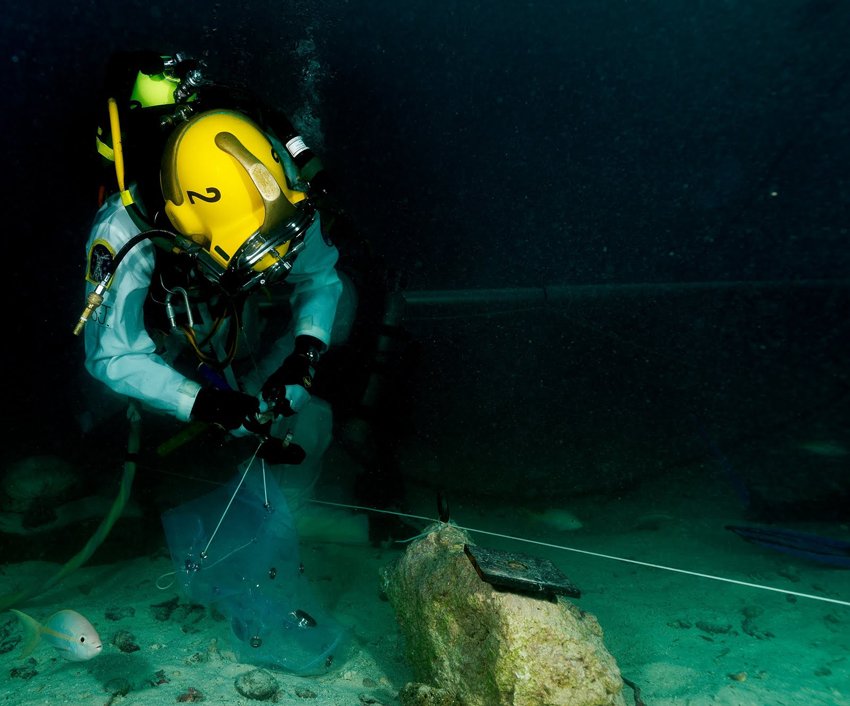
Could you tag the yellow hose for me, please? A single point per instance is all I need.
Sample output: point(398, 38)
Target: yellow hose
point(133, 445)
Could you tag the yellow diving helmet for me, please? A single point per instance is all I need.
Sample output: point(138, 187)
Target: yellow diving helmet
point(225, 190)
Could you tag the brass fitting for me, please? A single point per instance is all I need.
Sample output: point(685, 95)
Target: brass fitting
point(93, 300)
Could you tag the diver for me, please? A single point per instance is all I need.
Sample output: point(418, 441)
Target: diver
point(222, 206)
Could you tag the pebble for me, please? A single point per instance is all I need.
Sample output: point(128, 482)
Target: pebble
point(714, 628)
point(191, 696)
point(413, 694)
point(305, 693)
point(125, 641)
point(28, 671)
point(120, 613)
point(370, 700)
point(739, 676)
point(117, 687)
point(257, 684)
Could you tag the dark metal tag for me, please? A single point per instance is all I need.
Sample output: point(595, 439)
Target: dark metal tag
point(520, 572)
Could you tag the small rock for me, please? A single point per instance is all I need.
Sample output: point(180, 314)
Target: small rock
point(159, 678)
point(413, 694)
point(120, 613)
point(163, 611)
point(681, 624)
point(738, 676)
point(752, 611)
point(191, 696)
point(9, 644)
point(125, 641)
point(749, 627)
point(257, 684)
point(27, 671)
point(714, 628)
point(188, 616)
point(117, 687)
point(370, 700)
point(213, 654)
point(305, 693)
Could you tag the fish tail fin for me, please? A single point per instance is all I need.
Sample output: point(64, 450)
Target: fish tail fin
point(32, 633)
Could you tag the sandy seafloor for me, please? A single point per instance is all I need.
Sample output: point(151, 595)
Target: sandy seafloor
point(792, 652)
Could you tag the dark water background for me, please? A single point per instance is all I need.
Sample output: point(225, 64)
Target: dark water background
point(500, 145)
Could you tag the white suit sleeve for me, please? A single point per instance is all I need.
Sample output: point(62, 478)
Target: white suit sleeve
point(317, 287)
point(119, 351)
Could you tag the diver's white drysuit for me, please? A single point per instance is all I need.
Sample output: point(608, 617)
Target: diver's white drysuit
point(121, 352)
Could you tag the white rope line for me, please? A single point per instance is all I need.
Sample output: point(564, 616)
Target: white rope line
point(232, 498)
point(604, 556)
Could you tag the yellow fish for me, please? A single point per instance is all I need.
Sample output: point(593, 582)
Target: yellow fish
point(70, 633)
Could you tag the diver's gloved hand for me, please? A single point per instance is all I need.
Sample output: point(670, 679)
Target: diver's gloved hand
point(259, 423)
point(287, 389)
point(274, 451)
point(227, 409)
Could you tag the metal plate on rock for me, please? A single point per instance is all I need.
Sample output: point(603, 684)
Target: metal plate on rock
point(520, 572)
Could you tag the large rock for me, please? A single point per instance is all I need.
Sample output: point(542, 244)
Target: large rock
point(494, 648)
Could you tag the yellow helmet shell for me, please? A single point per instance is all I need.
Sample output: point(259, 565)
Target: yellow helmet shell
point(210, 196)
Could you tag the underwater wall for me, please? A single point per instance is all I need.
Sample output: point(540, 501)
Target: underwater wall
point(509, 144)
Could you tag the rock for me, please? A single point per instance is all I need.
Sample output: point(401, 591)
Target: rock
point(257, 684)
point(748, 625)
point(163, 611)
point(714, 628)
point(370, 700)
point(681, 624)
point(9, 644)
point(27, 671)
point(191, 696)
point(489, 647)
point(412, 694)
point(119, 613)
point(117, 687)
point(125, 641)
point(34, 479)
point(305, 693)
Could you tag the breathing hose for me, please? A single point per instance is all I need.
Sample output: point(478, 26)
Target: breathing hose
point(10, 600)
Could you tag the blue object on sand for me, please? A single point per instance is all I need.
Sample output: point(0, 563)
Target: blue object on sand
point(808, 546)
point(236, 549)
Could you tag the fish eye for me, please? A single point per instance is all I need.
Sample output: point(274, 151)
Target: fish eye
point(83, 638)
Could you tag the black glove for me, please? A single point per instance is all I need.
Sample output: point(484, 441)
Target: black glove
point(296, 371)
point(274, 451)
point(225, 408)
